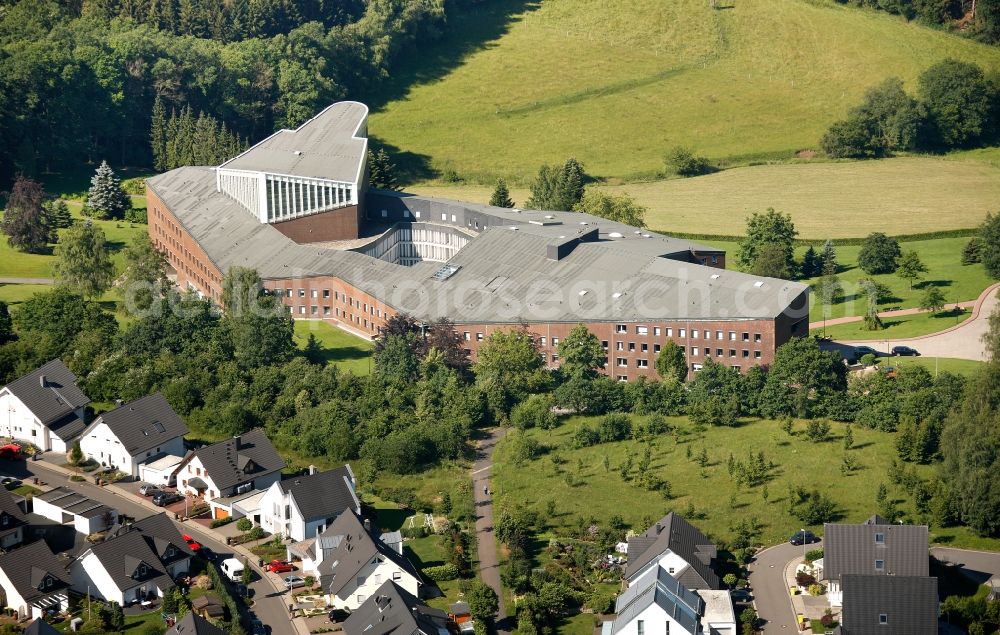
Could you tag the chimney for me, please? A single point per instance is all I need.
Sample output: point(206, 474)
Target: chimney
point(659, 528)
point(368, 525)
point(312, 470)
point(42, 381)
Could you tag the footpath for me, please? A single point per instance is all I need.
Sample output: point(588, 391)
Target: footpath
point(486, 545)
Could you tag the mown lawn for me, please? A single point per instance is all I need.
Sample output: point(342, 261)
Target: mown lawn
point(349, 352)
point(616, 83)
point(966, 367)
point(591, 491)
point(898, 327)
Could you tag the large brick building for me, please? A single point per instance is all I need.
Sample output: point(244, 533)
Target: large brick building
point(296, 207)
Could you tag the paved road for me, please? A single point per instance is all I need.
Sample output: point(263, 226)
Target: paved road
point(848, 319)
point(270, 605)
point(963, 341)
point(489, 567)
point(770, 594)
point(978, 565)
point(26, 281)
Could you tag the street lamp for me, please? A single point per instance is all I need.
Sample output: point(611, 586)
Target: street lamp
point(803, 543)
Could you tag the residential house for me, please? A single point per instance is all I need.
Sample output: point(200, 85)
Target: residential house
point(889, 605)
point(676, 545)
point(230, 467)
point(392, 609)
point(657, 603)
point(192, 624)
point(142, 430)
point(304, 506)
point(137, 562)
point(44, 408)
point(66, 507)
point(39, 626)
point(12, 520)
point(351, 564)
point(33, 580)
point(875, 547)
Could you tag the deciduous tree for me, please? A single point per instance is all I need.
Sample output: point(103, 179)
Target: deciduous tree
point(958, 99)
point(770, 228)
point(671, 362)
point(82, 260)
point(620, 208)
point(581, 353)
point(878, 254)
point(24, 219)
point(910, 267)
point(932, 300)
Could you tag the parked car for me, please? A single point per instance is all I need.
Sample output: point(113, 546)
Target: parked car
point(905, 351)
point(10, 451)
point(10, 482)
point(741, 596)
point(148, 489)
point(165, 498)
point(232, 568)
point(207, 554)
point(279, 566)
point(803, 537)
point(865, 350)
point(294, 581)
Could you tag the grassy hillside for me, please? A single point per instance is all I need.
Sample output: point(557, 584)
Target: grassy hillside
point(825, 199)
point(616, 83)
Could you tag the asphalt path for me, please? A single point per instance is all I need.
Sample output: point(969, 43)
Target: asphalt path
point(489, 566)
point(270, 603)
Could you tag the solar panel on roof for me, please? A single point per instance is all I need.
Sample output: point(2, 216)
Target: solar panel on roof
point(445, 272)
point(159, 427)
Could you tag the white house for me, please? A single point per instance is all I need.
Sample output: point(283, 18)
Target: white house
point(656, 603)
point(139, 431)
point(351, 564)
point(44, 408)
point(303, 506)
point(679, 548)
point(64, 506)
point(138, 562)
point(161, 472)
point(230, 467)
point(33, 580)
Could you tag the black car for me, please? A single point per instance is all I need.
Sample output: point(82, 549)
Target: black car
point(165, 498)
point(741, 596)
point(803, 538)
point(207, 554)
point(905, 351)
point(10, 482)
point(338, 615)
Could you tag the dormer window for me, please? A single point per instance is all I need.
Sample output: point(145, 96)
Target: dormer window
point(4, 520)
point(879, 538)
point(170, 551)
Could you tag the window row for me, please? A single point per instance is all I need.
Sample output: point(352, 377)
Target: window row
point(732, 336)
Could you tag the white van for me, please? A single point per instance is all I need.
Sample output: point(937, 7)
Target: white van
point(232, 568)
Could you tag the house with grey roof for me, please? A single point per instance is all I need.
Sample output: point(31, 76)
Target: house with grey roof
point(38, 626)
point(44, 408)
point(232, 466)
point(194, 624)
point(143, 430)
point(64, 506)
point(393, 609)
point(875, 547)
point(33, 580)
point(889, 605)
point(12, 520)
point(679, 548)
point(351, 563)
point(164, 539)
point(303, 506)
point(659, 604)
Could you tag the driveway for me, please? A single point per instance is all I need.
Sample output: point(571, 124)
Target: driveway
point(770, 591)
point(964, 341)
point(489, 566)
point(978, 565)
point(270, 603)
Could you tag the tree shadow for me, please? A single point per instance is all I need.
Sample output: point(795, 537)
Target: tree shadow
point(923, 284)
point(410, 166)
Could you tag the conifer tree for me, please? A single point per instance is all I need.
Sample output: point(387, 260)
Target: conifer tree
point(106, 198)
point(158, 135)
point(501, 195)
point(811, 264)
point(828, 259)
point(58, 214)
point(381, 171)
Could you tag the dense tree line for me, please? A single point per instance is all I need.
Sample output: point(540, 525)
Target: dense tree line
point(955, 107)
point(979, 19)
point(183, 139)
point(78, 80)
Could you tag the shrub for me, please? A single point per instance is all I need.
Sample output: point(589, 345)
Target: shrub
point(136, 215)
point(585, 436)
point(683, 162)
point(813, 555)
point(804, 579)
point(616, 426)
point(441, 573)
point(256, 533)
point(244, 524)
point(219, 522)
point(815, 590)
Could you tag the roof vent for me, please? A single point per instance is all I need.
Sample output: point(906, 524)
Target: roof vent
point(759, 284)
point(637, 232)
point(297, 153)
point(616, 295)
point(582, 293)
point(714, 276)
point(583, 222)
point(615, 235)
point(42, 381)
point(513, 228)
point(549, 216)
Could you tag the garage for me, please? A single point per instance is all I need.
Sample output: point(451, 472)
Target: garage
point(221, 513)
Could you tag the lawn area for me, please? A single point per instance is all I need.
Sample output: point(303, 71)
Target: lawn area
point(14, 294)
point(580, 485)
point(349, 352)
point(843, 199)
point(965, 367)
point(897, 327)
point(616, 83)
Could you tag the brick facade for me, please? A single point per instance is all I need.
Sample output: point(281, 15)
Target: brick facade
point(193, 266)
point(336, 224)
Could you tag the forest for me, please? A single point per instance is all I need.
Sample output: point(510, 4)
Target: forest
point(79, 78)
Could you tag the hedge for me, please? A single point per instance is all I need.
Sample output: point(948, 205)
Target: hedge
point(803, 242)
point(443, 572)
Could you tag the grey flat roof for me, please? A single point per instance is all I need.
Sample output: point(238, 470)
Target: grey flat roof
point(629, 278)
point(74, 503)
point(328, 146)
